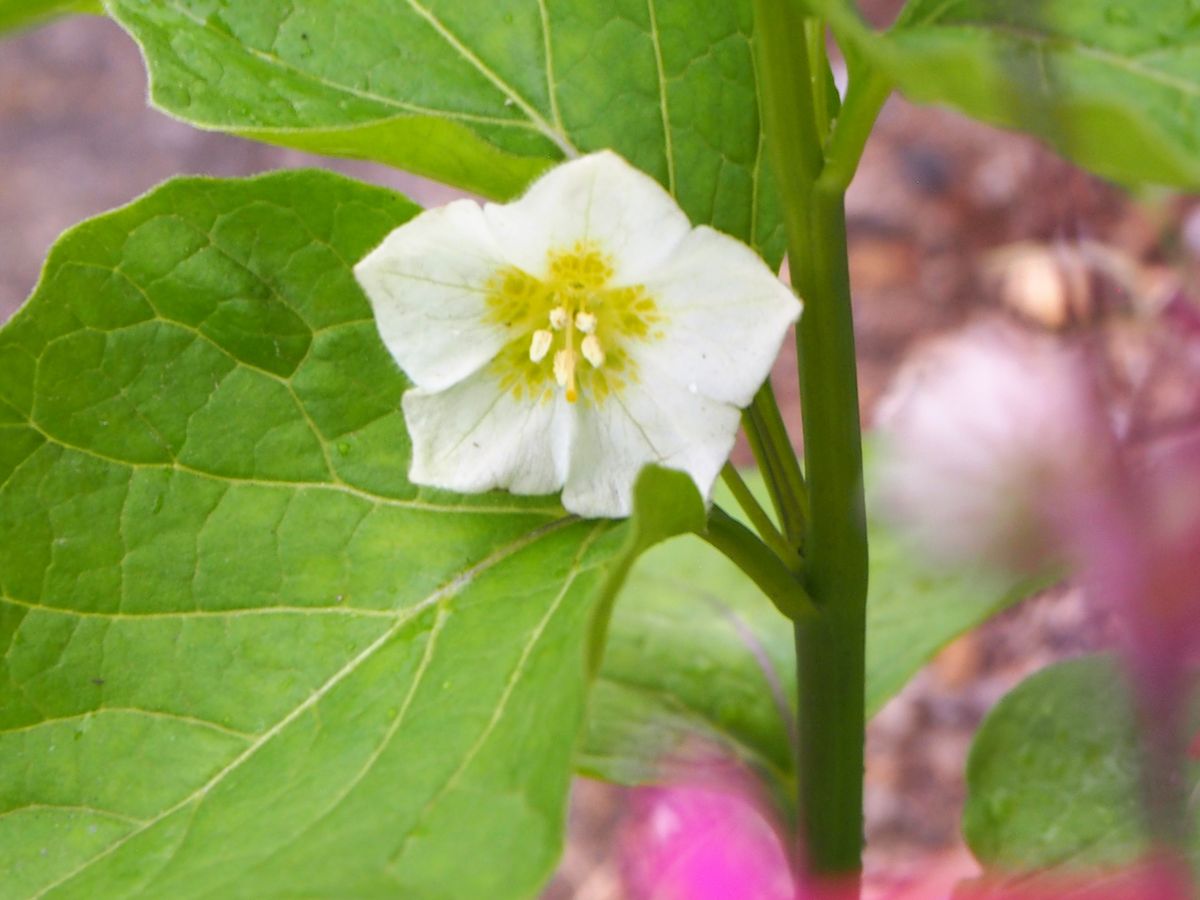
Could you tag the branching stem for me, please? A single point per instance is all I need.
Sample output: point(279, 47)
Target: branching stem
point(752, 556)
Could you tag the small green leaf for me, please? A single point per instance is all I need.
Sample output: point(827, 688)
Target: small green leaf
point(241, 654)
point(697, 655)
point(481, 95)
point(23, 13)
point(1115, 86)
point(1053, 775)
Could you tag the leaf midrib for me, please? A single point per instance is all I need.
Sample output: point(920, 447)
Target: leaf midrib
point(336, 486)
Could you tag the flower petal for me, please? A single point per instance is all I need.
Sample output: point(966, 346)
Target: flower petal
point(726, 316)
point(598, 198)
point(427, 284)
point(475, 436)
point(653, 421)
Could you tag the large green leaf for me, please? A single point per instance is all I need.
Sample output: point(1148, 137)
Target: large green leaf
point(1053, 775)
point(19, 13)
point(242, 655)
point(1115, 85)
point(697, 656)
point(482, 95)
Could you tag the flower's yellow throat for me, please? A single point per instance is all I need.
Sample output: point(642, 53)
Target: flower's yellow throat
point(571, 328)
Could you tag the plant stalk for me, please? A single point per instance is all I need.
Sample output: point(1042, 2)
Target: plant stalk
point(830, 647)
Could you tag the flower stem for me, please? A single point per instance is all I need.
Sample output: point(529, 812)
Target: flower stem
point(752, 556)
point(773, 449)
point(830, 647)
point(759, 517)
point(865, 97)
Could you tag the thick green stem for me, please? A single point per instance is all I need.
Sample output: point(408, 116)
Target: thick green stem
point(830, 647)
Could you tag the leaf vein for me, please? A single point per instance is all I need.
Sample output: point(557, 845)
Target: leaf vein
point(338, 487)
point(235, 613)
point(554, 134)
point(510, 685)
point(128, 710)
point(662, 95)
point(551, 84)
point(69, 807)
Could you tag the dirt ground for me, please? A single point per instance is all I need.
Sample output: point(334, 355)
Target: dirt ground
point(936, 199)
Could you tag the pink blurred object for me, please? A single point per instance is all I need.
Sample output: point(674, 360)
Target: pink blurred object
point(999, 452)
point(711, 841)
point(716, 841)
point(1138, 553)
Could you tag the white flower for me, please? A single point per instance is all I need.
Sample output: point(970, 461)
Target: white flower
point(567, 339)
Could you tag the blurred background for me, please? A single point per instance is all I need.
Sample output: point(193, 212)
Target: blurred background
point(950, 221)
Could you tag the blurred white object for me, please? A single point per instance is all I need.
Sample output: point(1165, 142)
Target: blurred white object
point(990, 438)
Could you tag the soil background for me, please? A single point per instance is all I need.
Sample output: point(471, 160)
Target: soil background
point(936, 198)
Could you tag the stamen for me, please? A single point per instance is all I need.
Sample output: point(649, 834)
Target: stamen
point(540, 345)
point(564, 372)
point(559, 318)
point(593, 352)
point(585, 322)
point(562, 361)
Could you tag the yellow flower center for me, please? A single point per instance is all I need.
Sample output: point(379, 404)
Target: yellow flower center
point(571, 328)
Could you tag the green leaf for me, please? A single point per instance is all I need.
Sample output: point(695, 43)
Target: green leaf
point(914, 610)
point(1114, 86)
point(242, 656)
point(698, 657)
point(22, 13)
point(483, 96)
point(1053, 775)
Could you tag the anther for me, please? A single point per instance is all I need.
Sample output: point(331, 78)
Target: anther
point(593, 352)
point(559, 318)
point(540, 345)
point(585, 322)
